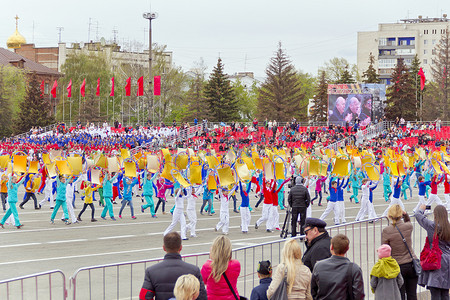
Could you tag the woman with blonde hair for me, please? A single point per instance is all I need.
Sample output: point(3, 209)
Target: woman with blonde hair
point(187, 287)
point(400, 223)
point(298, 276)
point(220, 273)
point(437, 281)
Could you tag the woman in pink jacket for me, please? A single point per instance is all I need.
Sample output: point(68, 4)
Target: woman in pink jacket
point(161, 194)
point(219, 266)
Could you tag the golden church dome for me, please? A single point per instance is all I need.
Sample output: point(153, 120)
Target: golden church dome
point(16, 40)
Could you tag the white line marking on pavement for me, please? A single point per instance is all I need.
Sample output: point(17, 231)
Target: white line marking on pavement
point(116, 237)
point(67, 241)
point(19, 245)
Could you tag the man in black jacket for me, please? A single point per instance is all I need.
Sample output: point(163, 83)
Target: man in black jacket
point(337, 277)
point(298, 200)
point(317, 242)
point(160, 278)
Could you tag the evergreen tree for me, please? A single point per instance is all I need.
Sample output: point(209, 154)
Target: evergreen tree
point(318, 112)
point(346, 76)
point(415, 81)
point(5, 111)
point(280, 96)
point(197, 106)
point(247, 100)
point(440, 72)
point(89, 110)
point(371, 75)
point(400, 96)
point(34, 109)
point(220, 96)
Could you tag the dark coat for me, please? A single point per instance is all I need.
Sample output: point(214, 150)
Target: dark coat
point(260, 291)
point(160, 278)
point(329, 279)
point(318, 249)
point(299, 196)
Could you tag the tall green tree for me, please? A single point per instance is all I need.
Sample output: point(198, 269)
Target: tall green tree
point(5, 111)
point(80, 66)
point(415, 82)
point(440, 72)
point(280, 96)
point(220, 96)
point(400, 96)
point(197, 106)
point(335, 67)
point(346, 76)
point(318, 112)
point(13, 91)
point(370, 75)
point(247, 98)
point(34, 109)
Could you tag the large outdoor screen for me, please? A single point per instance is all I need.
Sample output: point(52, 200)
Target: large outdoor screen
point(344, 109)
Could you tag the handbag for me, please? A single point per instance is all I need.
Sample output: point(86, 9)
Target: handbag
point(416, 262)
point(430, 258)
point(281, 291)
point(232, 290)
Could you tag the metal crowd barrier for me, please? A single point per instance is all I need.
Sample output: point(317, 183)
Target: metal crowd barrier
point(124, 280)
point(42, 285)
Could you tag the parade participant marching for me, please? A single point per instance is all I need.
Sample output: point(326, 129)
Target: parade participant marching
point(4, 190)
point(274, 216)
point(70, 196)
point(318, 190)
point(365, 209)
point(61, 199)
point(148, 192)
point(331, 205)
point(224, 222)
point(447, 191)
point(386, 184)
point(422, 190)
point(178, 215)
point(88, 195)
point(340, 201)
point(12, 186)
point(108, 194)
point(395, 199)
point(267, 205)
point(30, 188)
point(48, 192)
point(191, 198)
point(434, 187)
point(207, 199)
point(244, 208)
point(355, 187)
point(128, 184)
point(161, 194)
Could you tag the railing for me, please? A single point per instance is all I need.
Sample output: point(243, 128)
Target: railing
point(124, 280)
point(43, 129)
point(42, 285)
point(369, 133)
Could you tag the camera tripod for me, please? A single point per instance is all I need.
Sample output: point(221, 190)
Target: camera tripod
point(287, 223)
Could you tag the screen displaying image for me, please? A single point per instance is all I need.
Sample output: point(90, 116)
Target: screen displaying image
point(350, 107)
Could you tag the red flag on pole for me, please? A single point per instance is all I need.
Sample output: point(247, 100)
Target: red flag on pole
point(112, 87)
point(128, 87)
point(422, 79)
point(157, 86)
point(53, 91)
point(97, 93)
point(140, 91)
point(83, 88)
point(69, 89)
point(42, 88)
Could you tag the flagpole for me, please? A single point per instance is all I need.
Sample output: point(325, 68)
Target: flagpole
point(63, 104)
point(122, 108)
point(113, 110)
point(79, 105)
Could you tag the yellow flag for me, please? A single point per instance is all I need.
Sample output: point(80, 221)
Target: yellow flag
point(341, 167)
point(195, 174)
point(51, 169)
point(95, 176)
point(212, 161)
point(20, 164)
point(373, 172)
point(46, 158)
point(279, 170)
point(152, 163)
point(130, 169)
point(182, 161)
point(166, 172)
point(113, 166)
point(357, 161)
point(225, 176)
point(248, 161)
point(212, 184)
point(63, 167)
point(33, 168)
point(268, 170)
point(76, 162)
point(180, 179)
point(394, 168)
point(243, 171)
point(313, 167)
point(4, 159)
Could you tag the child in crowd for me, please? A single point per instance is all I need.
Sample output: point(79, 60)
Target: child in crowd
point(265, 278)
point(187, 287)
point(385, 277)
point(89, 190)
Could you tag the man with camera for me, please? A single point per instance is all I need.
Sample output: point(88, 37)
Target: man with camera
point(299, 200)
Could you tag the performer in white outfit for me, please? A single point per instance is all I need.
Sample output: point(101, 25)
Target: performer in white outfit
point(191, 198)
point(366, 208)
point(224, 222)
point(48, 193)
point(178, 215)
point(70, 190)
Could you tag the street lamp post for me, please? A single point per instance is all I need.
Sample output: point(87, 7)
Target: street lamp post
point(150, 16)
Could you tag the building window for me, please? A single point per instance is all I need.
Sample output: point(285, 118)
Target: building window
point(382, 42)
point(425, 61)
point(433, 51)
point(442, 31)
point(413, 42)
point(425, 31)
point(434, 31)
point(425, 42)
point(46, 88)
point(433, 42)
point(425, 51)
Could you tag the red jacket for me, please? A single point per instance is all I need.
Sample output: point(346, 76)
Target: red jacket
point(267, 193)
point(446, 186)
point(220, 290)
point(434, 185)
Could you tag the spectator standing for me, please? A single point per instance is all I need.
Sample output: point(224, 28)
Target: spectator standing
point(299, 200)
point(337, 277)
point(317, 242)
point(385, 277)
point(437, 281)
point(298, 276)
point(219, 269)
point(400, 222)
point(265, 278)
point(160, 279)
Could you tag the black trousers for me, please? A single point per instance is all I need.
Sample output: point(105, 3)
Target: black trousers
point(91, 205)
point(260, 200)
point(295, 212)
point(163, 204)
point(4, 196)
point(439, 294)
point(27, 197)
point(408, 291)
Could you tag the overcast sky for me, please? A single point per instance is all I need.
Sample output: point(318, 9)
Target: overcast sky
point(245, 33)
